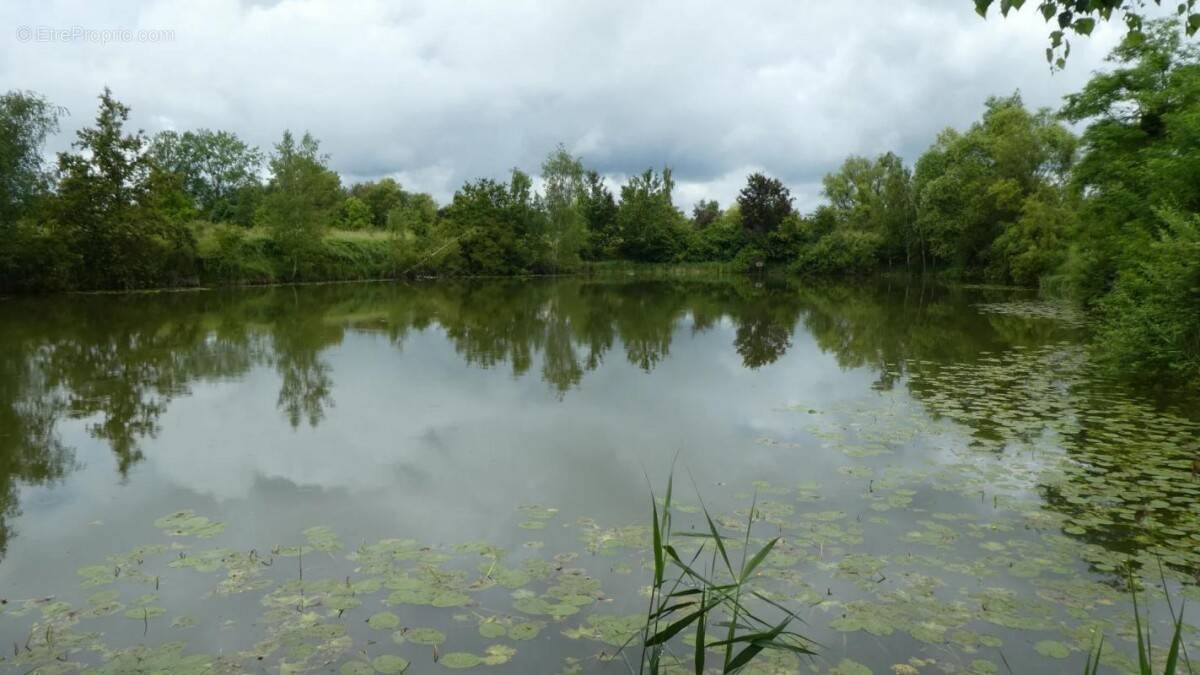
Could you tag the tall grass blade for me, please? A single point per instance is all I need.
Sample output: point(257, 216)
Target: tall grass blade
point(1176, 642)
point(675, 628)
point(658, 549)
point(1093, 661)
point(757, 560)
point(712, 527)
point(1142, 639)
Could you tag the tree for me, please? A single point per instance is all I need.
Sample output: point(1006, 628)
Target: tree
point(1134, 244)
point(1150, 322)
point(764, 203)
point(420, 240)
point(719, 240)
point(1140, 152)
point(415, 215)
point(565, 198)
point(110, 204)
point(26, 119)
point(1080, 17)
point(213, 165)
point(600, 213)
point(32, 255)
point(381, 196)
point(651, 229)
point(971, 186)
point(705, 213)
point(875, 197)
point(355, 215)
point(499, 228)
point(300, 199)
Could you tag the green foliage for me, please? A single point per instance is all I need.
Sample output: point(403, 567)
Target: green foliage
point(1034, 246)
point(1176, 661)
point(566, 195)
point(875, 197)
point(705, 213)
point(1080, 17)
point(1140, 153)
point(764, 203)
point(26, 119)
point(115, 209)
point(498, 228)
point(1013, 199)
point(34, 257)
point(843, 251)
point(381, 197)
point(228, 254)
point(697, 596)
point(970, 187)
point(355, 215)
point(213, 166)
point(415, 215)
point(720, 239)
point(650, 228)
point(1150, 321)
point(300, 200)
point(600, 213)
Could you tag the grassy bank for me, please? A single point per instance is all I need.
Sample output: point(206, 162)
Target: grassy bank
point(229, 255)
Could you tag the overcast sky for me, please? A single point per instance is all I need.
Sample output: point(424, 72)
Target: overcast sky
point(440, 91)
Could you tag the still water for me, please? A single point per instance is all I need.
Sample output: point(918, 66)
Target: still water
point(358, 477)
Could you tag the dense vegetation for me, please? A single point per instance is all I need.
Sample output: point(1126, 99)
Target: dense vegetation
point(1110, 216)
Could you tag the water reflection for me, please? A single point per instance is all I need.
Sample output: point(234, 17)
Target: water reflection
point(118, 362)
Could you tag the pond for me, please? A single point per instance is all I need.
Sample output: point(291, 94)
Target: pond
point(363, 478)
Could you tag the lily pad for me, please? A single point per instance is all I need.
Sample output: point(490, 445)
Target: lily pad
point(460, 660)
point(384, 621)
point(389, 663)
point(1053, 649)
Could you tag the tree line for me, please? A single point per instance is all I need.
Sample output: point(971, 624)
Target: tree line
point(1108, 216)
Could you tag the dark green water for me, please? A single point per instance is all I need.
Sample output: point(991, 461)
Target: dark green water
point(956, 491)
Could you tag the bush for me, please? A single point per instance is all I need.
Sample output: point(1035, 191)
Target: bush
point(34, 257)
point(717, 242)
point(228, 254)
point(849, 252)
point(344, 258)
point(1150, 321)
point(751, 258)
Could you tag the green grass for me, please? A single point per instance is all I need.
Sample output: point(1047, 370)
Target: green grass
point(233, 255)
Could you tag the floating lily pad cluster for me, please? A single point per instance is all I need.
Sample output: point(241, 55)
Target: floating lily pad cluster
point(1061, 312)
point(188, 524)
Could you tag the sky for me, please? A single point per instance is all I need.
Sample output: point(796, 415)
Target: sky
point(438, 92)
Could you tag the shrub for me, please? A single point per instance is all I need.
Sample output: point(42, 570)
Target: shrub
point(228, 254)
point(841, 252)
point(33, 257)
point(1150, 321)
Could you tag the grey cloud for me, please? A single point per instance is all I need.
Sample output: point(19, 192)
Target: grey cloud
point(438, 92)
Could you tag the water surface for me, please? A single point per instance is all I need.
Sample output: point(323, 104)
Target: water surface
point(955, 489)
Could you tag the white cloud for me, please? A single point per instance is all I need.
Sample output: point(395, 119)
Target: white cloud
point(438, 92)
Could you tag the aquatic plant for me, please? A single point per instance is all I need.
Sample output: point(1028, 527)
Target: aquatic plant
point(1145, 650)
point(695, 597)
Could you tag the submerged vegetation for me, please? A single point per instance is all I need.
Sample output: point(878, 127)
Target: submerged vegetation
point(1108, 218)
